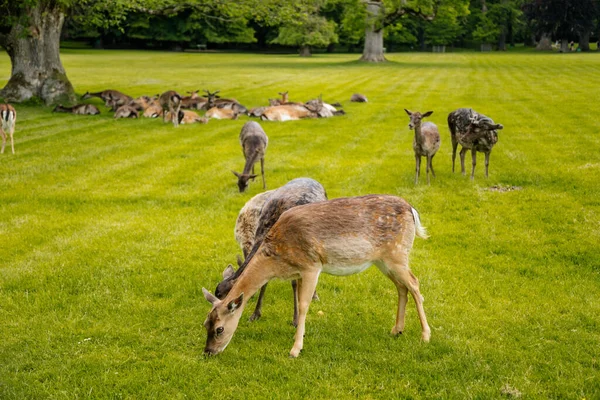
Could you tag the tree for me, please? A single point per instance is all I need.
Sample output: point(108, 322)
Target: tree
point(313, 30)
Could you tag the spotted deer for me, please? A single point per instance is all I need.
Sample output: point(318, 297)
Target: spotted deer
point(170, 101)
point(295, 193)
point(475, 132)
point(254, 143)
point(339, 237)
point(8, 117)
point(426, 142)
point(79, 109)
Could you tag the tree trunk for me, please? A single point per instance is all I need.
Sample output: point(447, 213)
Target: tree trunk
point(35, 58)
point(502, 40)
point(373, 51)
point(584, 40)
point(305, 51)
point(545, 43)
point(564, 45)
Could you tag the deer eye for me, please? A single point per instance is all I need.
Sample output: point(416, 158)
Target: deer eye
point(220, 330)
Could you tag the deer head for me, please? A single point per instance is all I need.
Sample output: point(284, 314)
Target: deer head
point(284, 96)
point(315, 106)
point(416, 118)
point(194, 94)
point(222, 321)
point(211, 97)
point(243, 180)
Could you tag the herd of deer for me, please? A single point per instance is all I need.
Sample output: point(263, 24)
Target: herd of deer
point(294, 232)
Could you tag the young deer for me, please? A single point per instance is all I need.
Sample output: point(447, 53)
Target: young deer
point(426, 142)
point(170, 101)
point(254, 143)
point(472, 131)
point(294, 193)
point(339, 237)
point(8, 117)
point(79, 109)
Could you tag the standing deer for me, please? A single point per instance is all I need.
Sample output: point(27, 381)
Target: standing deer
point(339, 237)
point(426, 142)
point(170, 101)
point(254, 143)
point(8, 116)
point(79, 109)
point(472, 131)
point(294, 193)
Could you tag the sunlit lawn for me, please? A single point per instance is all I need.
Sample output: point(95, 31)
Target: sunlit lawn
point(110, 228)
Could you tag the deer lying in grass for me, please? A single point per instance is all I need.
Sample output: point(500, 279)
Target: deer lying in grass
point(358, 98)
point(8, 117)
point(426, 142)
point(154, 110)
point(170, 101)
point(193, 101)
point(221, 113)
point(326, 110)
point(295, 193)
point(79, 109)
point(186, 117)
point(126, 111)
point(142, 102)
point(112, 98)
point(291, 112)
point(254, 143)
point(339, 237)
point(472, 131)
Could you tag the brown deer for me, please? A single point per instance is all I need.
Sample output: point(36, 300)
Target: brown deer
point(126, 111)
point(170, 101)
point(142, 102)
point(154, 110)
point(79, 109)
point(294, 193)
point(339, 237)
point(8, 117)
point(254, 143)
point(291, 112)
point(193, 101)
point(186, 117)
point(475, 132)
point(221, 113)
point(426, 142)
point(112, 98)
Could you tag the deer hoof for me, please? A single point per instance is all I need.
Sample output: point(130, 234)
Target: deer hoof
point(396, 332)
point(425, 336)
point(294, 353)
point(254, 317)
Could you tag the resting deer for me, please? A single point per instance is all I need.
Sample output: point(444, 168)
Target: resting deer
point(186, 117)
point(221, 113)
point(126, 111)
point(154, 110)
point(291, 112)
point(339, 237)
point(254, 143)
point(112, 98)
point(8, 116)
point(193, 101)
point(358, 98)
point(141, 103)
point(472, 131)
point(295, 193)
point(170, 101)
point(79, 109)
point(325, 110)
point(426, 142)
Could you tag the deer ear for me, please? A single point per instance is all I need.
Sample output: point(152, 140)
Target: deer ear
point(408, 112)
point(228, 272)
point(236, 174)
point(499, 126)
point(427, 114)
point(252, 176)
point(236, 303)
point(211, 298)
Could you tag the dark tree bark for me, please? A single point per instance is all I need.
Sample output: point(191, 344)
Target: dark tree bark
point(564, 45)
point(584, 40)
point(35, 58)
point(305, 51)
point(373, 51)
point(545, 43)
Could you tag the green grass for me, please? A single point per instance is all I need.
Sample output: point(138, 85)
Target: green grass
point(109, 230)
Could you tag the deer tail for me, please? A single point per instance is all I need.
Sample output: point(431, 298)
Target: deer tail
point(420, 230)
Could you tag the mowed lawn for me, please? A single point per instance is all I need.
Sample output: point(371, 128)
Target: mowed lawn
point(109, 229)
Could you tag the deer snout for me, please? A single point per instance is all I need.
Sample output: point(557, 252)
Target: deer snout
point(210, 352)
point(411, 126)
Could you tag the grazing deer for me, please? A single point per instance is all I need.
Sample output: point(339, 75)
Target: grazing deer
point(247, 221)
point(426, 142)
point(358, 98)
point(79, 109)
point(254, 143)
point(188, 117)
point(112, 98)
point(339, 237)
point(8, 117)
point(126, 111)
point(472, 131)
point(295, 193)
point(170, 101)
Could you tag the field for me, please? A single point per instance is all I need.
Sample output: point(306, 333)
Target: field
point(109, 229)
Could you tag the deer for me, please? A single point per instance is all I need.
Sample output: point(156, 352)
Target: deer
point(186, 117)
point(426, 142)
point(170, 101)
point(142, 102)
point(475, 132)
point(8, 117)
point(295, 193)
point(221, 113)
point(79, 109)
point(291, 112)
point(112, 98)
point(154, 110)
point(126, 111)
point(339, 237)
point(254, 143)
point(358, 98)
point(193, 101)
point(326, 110)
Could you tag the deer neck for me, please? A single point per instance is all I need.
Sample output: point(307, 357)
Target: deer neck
point(250, 161)
point(418, 136)
point(258, 271)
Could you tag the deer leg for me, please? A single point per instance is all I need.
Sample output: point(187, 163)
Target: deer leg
point(306, 288)
point(3, 140)
point(474, 157)
point(454, 146)
point(487, 163)
point(418, 168)
point(12, 143)
point(428, 160)
point(431, 165)
point(176, 116)
point(295, 290)
point(262, 171)
point(257, 314)
point(462, 161)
